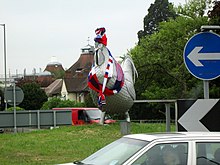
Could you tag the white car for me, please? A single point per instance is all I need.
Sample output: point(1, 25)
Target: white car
point(181, 148)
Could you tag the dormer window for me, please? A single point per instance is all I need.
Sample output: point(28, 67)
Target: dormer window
point(79, 70)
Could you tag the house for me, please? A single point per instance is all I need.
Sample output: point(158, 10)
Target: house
point(74, 84)
point(53, 70)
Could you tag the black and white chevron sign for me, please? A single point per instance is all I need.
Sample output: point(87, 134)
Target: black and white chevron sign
point(198, 115)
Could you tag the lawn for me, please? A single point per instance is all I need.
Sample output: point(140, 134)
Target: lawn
point(64, 144)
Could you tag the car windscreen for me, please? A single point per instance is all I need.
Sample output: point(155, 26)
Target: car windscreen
point(116, 153)
point(94, 114)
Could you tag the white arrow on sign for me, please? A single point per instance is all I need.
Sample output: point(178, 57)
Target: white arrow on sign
point(194, 56)
point(190, 120)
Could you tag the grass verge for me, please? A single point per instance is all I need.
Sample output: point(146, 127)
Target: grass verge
point(64, 144)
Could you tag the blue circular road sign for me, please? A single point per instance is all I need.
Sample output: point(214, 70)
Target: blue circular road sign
point(202, 55)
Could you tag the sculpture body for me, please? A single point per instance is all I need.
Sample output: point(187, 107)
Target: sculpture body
point(112, 84)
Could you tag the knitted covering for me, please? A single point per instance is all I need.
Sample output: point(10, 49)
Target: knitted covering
point(112, 83)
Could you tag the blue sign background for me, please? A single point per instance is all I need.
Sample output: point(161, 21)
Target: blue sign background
point(211, 44)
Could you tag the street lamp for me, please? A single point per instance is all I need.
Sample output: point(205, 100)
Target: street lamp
point(5, 61)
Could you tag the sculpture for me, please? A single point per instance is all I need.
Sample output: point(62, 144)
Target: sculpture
point(111, 82)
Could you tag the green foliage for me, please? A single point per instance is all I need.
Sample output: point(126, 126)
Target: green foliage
point(89, 101)
point(214, 14)
point(34, 96)
point(51, 103)
point(194, 8)
point(158, 57)
point(66, 103)
point(214, 90)
point(160, 65)
point(59, 74)
point(160, 11)
point(2, 106)
point(58, 103)
point(17, 109)
point(159, 62)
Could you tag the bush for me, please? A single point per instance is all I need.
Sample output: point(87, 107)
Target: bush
point(34, 96)
point(17, 109)
point(58, 103)
point(89, 101)
point(51, 103)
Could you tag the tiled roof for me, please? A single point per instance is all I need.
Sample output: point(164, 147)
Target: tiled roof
point(76, 84)
point(54, 68)
point(84, 64)
point(54, 88)
point(75, 77)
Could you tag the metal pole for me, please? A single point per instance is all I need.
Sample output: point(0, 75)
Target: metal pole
point(29, 118)
point(176, 116)
point(206, 89)
point(38, 119)
point(54, 119)
point(167, 105)
point(5, 63)
point(15, 122)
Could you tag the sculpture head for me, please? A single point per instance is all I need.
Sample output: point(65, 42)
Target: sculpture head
point(100, 36)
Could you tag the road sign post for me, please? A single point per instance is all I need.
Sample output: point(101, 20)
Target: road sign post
point(206, 89)
point(202, 57)
point(14, 96)
point(14, 103)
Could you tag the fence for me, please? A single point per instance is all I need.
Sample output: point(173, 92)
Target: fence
point(41, 118)
point(35, 118)
point(167, 107)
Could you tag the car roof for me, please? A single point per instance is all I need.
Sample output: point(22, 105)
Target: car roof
point(175, 135)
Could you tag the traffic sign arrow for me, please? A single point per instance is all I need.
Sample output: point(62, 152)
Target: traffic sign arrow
point(202, 55)
point(190, 120)
point(195, 57)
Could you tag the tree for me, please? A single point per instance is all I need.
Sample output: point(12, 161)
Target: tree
point(214, 19)
point(2, 107)
point(214, 14)
point(194, 8)
point(159, 62)
point(34, 96)
point(59, 74)
point(158, 12)
point(158, 57)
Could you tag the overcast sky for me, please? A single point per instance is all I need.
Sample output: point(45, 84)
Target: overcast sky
point(37, 30)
